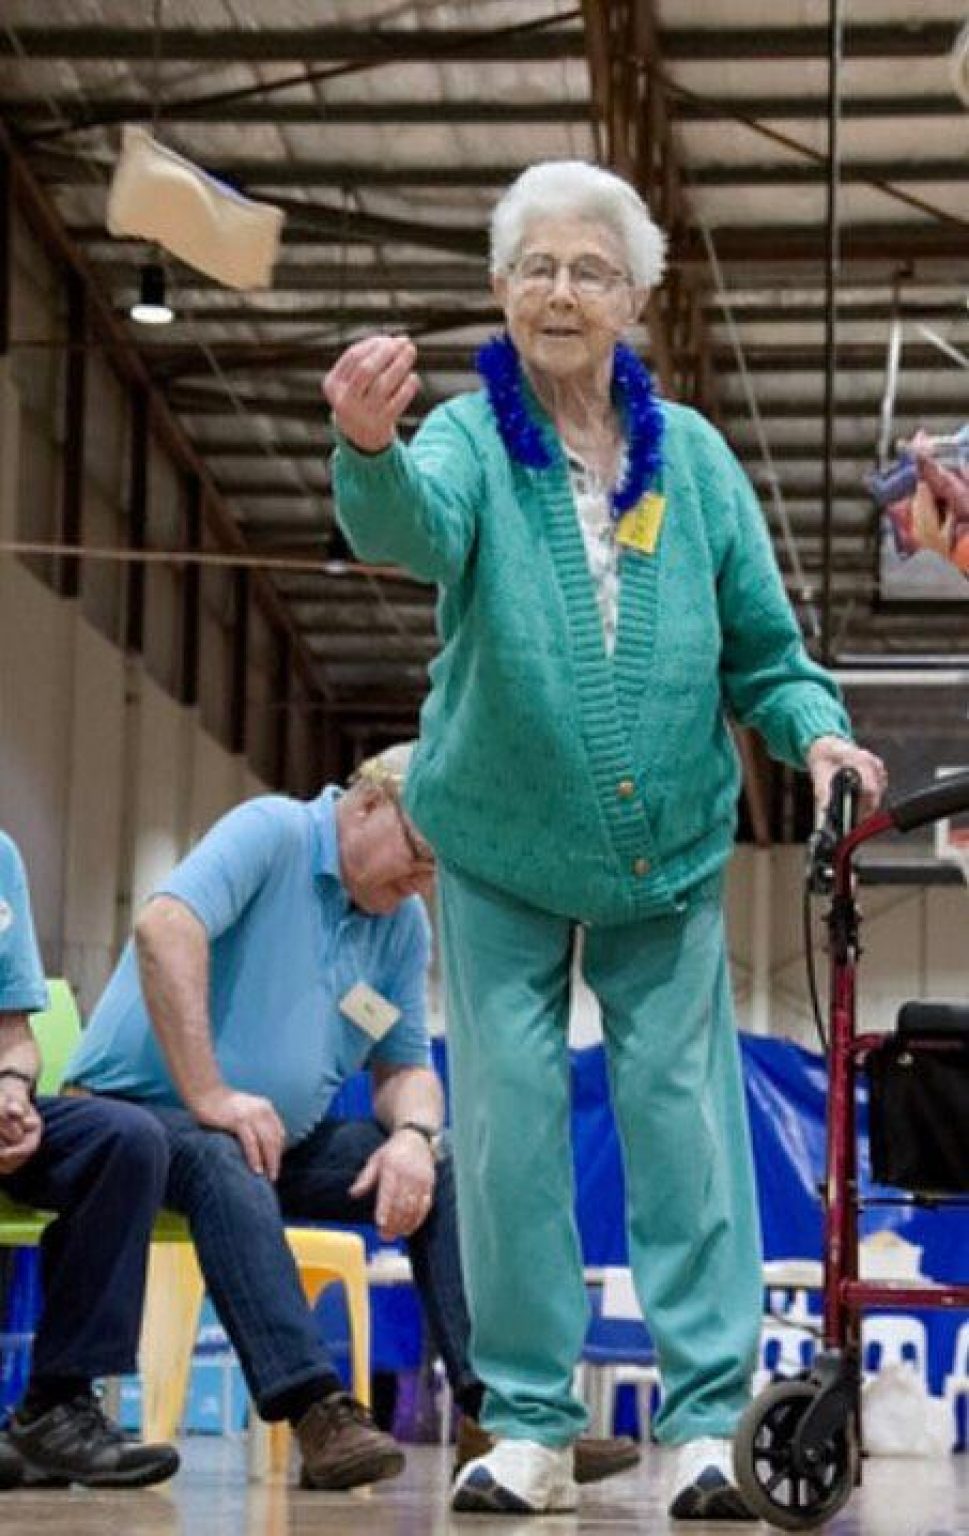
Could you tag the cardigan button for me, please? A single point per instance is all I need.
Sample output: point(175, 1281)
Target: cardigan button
point(626, 788)
point(640, 867)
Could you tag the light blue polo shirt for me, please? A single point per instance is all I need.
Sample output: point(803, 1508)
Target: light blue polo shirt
point(22, 985)
point(285, 947)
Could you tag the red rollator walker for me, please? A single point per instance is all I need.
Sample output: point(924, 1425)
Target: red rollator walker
point(797, 1450)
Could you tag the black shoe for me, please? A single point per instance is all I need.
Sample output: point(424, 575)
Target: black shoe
point(11, 1467)
point(78, 1443)
point(15, 1474)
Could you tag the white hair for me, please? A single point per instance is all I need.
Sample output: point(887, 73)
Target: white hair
point(574, 188)
point(388, 769)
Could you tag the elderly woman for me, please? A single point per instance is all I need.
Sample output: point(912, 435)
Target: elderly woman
point(608, 598)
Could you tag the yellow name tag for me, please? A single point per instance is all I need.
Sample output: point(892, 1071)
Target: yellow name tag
point(639, 527)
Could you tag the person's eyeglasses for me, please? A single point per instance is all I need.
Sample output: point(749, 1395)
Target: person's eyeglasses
point(421, 852)
point(586, 275)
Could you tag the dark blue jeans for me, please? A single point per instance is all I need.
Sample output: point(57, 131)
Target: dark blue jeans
point(102, 1166)
point(237, 1220)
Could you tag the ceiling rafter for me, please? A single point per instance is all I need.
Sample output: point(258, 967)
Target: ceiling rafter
point(390, 248)
point(260, 175)
point(96, 111)
point(174, 361)
point(915, 39)
point(891, 245)
point(265, 45)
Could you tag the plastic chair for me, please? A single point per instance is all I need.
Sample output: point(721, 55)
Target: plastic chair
point(618, 1352)
point(173, 1299)
point(956, 1384)
point(173, 1303)
point(896, 1339)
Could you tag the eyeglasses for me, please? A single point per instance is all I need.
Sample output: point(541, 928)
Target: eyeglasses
point(421, 852)
point(587, 276)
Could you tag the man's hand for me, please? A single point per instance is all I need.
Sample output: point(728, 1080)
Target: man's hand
point(251, 1120)
point(16, 1110)
point(402, 1174)
point(829, 753)
point(20, 1127)
point(370, 387)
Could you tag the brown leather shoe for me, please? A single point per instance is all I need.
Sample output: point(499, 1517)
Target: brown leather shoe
point(593, 1459)
point(342, 1448)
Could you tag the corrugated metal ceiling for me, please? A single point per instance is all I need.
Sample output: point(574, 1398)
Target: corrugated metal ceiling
point(387, 129)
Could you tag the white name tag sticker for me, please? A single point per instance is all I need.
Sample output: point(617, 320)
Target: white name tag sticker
point(372, 1013)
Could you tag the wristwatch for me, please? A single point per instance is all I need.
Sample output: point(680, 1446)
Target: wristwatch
point(431, 1134)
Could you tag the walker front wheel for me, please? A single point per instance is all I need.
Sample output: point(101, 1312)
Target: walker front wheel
point(796, 1499)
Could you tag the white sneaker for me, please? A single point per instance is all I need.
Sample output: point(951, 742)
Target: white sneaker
point(517, 1477)
point(702, 1486)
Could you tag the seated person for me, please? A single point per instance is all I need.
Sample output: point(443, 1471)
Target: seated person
point(287, 951)
point(935, 514)
point(102, 1168)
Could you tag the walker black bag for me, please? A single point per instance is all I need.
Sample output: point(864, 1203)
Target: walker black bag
point(918, 1113)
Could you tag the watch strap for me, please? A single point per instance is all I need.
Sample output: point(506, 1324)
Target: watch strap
point(430, 1133)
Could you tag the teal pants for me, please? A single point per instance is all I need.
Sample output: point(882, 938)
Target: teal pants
point(677, 1092)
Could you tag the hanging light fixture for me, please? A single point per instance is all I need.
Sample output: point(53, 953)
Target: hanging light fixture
point(151, 306)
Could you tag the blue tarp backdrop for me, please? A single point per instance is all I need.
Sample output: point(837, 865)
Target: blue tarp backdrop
point(786, 1098)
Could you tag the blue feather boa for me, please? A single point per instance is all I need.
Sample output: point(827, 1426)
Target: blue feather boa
point(632, 390)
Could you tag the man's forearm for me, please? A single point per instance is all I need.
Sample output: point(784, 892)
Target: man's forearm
point(412, 1093)
point(173, 963)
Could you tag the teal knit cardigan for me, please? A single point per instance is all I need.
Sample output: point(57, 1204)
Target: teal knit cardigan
point(603, 789)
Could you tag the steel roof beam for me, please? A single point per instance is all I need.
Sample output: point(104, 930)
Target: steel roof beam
point(808, 108)
point(801, 174)
point(304, 45)
point(772, 313)
point(909, 40)
point(914, 39)
point(264, 174)
point(97, 111)
point(70, 170)
point(909, 407)
point(773, 245)
point(426, 319)
point(179, 361)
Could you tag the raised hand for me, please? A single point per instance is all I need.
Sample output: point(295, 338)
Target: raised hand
point(370, 387)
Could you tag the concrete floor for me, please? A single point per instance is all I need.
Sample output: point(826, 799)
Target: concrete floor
point(211, 1497)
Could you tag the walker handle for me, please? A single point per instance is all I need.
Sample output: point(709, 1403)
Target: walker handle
point(840, 816)
point(947, 798)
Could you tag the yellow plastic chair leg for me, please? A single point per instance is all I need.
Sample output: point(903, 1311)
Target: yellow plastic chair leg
point(173, 1304)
